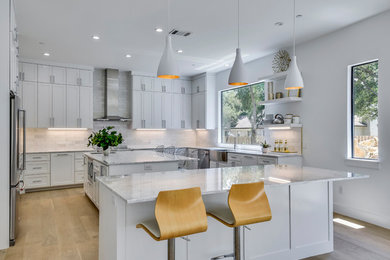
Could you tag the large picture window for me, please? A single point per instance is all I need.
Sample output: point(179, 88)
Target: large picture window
point(364, 111)
point(241, 116)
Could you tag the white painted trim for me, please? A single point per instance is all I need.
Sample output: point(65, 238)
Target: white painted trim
point(370, 164)
point(58, 64)
point(362, 214)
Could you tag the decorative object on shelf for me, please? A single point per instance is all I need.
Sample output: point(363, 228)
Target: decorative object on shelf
point(167, 68)
point(268, 119)
point(279, 119)
point(279, 95)
point(265, 146)
point(270, 90)
point(294, 77)
point(105, 138)
point(237, 75)
point(281, 61)
point(296, 119)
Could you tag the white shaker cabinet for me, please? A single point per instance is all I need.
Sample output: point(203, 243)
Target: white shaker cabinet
point(86, 107)
point(59, 106)
point(72, 106)
point(142, 109)
point(166, 110)
point(50, 74)
point(157, 113)
point(28, 72)
point(177, 110)
point(198, 110)
point(62, 169)
point(147, 109)
point(79, 77)
point(86, 78)
point(45, 113)
point(142, 83)
point(29, 102)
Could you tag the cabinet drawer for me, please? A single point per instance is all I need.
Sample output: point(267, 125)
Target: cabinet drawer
point(234, 157)
point(78, 165)
point(37, 181)
point(267, 160)
point(78, 177)
point(33, 168)
point(37, 157)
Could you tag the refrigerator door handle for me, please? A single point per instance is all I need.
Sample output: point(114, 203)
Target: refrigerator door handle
point(24, 139)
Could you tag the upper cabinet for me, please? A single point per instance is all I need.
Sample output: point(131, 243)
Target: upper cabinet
point(56, 97)
point(77, 77)
point(203, 102)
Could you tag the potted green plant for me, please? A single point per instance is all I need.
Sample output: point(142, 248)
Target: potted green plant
point(265, 146)
point(105, 138)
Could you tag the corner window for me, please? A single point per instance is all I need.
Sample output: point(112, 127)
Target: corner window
point(241, 116)
point(364, 111)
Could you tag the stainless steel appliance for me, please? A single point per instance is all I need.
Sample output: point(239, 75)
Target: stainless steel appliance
point(17, 160)
point(204, 159)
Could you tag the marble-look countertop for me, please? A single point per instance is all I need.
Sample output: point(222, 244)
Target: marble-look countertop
point(60, 150)
point(135, 157)
point(142, 187)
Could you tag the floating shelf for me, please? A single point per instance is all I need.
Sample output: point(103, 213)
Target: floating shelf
point(281, 101)
point(275, 76)
point(282, 126)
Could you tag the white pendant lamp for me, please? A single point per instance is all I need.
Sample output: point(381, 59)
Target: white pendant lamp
point(294, 77)
point(167, 68)
point(237, 75)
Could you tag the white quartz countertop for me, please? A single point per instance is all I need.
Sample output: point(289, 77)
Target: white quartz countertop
point(137, 156)
point(60, 150)
point(142, 187)
point(260, 153)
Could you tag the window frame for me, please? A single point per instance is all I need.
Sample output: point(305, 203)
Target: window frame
point(350, 159)
point(220, 117)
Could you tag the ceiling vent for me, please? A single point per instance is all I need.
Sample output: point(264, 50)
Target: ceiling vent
point(179, 33)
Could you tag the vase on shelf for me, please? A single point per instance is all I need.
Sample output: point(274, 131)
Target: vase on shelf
point(107, 151)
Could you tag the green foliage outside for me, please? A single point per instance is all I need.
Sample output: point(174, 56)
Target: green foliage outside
point(365, 91)
point(105, 138)
point(240, 103)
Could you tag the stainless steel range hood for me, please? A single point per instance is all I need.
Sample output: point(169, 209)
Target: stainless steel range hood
point(111, 109)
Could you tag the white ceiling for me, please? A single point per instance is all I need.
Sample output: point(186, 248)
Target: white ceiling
point(65, 28)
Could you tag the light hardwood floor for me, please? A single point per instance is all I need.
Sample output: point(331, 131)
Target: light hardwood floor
point(64, 224)
point(60, 224)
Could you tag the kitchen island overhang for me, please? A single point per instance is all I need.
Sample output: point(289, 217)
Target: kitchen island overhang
point(301, 200)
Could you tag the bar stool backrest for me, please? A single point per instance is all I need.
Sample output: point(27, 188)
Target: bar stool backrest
point(249, 203)
point(180, 213)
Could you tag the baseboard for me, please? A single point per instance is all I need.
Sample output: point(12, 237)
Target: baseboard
point(367, 216)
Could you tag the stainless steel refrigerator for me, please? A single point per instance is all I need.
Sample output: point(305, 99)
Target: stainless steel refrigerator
point(17, 160)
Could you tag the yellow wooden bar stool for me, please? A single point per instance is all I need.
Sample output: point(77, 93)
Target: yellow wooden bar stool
point(178, 213)
point(248, 204)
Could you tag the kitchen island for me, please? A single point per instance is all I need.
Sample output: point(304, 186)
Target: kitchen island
point(301, 200)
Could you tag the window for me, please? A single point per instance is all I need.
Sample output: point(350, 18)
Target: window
point(364, 111)
point(240, 114)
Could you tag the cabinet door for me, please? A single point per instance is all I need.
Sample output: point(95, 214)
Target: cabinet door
point(137, 83)
point(187, 106)
point(86, 107)
point(72, 106)
point(44, 74)
point(195, 110)
point(147, 109)
point(44, 105)
point(59, 105)
point(177, 85)
point(202, 110)
point(62, 169)
point(30, 72)
point(29, 103)
point(249, 160)
point(137, 110)
point(177, 111)
point(166, 111)
point(59, 75)
point(86, 78)
point(187, 87)
point(72, 76)
point(157, 111)
point(166, 85)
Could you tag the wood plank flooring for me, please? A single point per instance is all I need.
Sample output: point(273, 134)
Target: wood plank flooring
point(64, 224)
point(59, 224)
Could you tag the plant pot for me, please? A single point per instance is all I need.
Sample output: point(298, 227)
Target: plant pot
point(106, 152)
point(265, 150)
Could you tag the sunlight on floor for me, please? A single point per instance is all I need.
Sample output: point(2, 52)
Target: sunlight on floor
point(348, 223)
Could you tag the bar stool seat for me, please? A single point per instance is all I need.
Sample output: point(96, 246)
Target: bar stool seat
point(178, 213)
point(247, 204)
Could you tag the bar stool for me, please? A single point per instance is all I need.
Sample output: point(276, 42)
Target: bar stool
point(248, 204)
point(178, 213)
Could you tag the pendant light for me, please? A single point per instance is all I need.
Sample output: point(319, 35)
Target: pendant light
point(237, 75)
point(167, 68)
point(294, 77)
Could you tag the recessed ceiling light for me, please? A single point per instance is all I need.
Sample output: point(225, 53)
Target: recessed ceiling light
point(159, 30)
point(278, 24)
point(299, 16)
point(179, 51)
point(46, 54)
point(96, 37)
point(128, 56)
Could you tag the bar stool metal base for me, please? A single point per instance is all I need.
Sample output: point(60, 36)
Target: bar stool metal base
point(237, 246)
point(171, 249)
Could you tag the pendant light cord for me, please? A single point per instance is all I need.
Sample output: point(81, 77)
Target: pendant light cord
point(168, 25)
point(294, 31)
point(238, 23)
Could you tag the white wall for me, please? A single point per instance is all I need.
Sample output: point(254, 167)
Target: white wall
point(324, 62)
point(4, 127)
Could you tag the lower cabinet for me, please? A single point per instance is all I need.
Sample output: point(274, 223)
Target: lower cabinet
point(62, 169)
